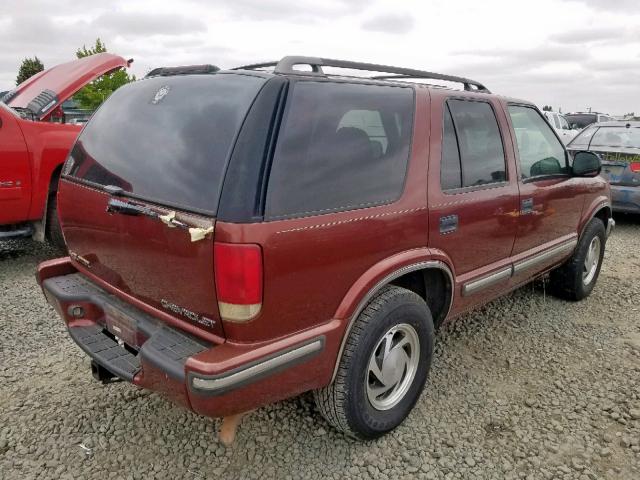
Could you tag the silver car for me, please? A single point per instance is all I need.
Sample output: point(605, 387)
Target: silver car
point(618, 143)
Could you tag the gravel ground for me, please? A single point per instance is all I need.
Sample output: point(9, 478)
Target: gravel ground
point(527, 387)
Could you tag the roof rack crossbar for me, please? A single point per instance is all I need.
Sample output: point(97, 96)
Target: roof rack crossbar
point(287, 64)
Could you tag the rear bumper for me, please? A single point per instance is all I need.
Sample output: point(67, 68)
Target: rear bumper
point(211, 379)
point(625, 199)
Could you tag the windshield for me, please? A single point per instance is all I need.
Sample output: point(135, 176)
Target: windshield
point(166, 139)
point(581, 120)
point(616, 137)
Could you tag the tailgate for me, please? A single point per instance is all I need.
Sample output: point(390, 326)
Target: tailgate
point(147, 168)
point(142, 256)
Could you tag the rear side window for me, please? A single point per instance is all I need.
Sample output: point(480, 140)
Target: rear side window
point(478, 147)
point(166, 139)
point(450, 170)
point(341, 147)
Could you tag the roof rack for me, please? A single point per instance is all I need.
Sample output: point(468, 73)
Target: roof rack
point(186, 70)
point(287, 63)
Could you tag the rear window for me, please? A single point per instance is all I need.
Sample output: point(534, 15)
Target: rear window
point(342, 146)
point(616, 137)
point(581, 120)
point(166, 139)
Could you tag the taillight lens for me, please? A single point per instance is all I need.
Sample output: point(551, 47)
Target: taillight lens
point(635, 167)
point(238, 274)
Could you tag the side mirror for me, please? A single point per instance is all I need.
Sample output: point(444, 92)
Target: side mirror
point(586, 164)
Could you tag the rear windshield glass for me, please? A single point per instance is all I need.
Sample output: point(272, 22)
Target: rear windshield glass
point(166, 139)
point(342, 146)
point(616, 137)
point(581, 120)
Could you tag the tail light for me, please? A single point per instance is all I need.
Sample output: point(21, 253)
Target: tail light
point(238, 274)
point(635, 167)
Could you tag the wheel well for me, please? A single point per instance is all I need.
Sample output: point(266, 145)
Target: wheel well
point(53, 181)
point(434, 286)
point(604, 214)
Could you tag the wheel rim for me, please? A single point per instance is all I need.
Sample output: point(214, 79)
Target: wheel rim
point(591, 261)
point(392, 366)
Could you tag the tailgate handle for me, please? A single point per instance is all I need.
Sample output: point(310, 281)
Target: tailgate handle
point(126, 208)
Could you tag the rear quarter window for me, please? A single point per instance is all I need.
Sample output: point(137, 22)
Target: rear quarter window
point(342, 146)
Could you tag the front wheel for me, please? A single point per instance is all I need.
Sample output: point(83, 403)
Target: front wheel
point(383, 368)
point(576, 278)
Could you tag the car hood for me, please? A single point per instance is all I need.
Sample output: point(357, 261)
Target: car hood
point(46, 90)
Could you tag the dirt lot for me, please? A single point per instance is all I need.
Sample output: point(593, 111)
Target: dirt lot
point(527, 387)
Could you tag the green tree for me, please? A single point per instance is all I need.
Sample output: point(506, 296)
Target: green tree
point(547, 108)
point(92, 96)
point(28, 68)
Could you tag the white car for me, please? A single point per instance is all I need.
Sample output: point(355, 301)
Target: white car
point(561, 126)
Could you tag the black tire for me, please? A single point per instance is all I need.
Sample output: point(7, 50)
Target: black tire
point(567, 281)
point(345, 403)
point(54, 231)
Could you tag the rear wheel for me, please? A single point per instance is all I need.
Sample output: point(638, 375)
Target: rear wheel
point(383, 368)
point(576, 278)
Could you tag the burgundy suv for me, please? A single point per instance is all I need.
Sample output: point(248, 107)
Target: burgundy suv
point(239, 237)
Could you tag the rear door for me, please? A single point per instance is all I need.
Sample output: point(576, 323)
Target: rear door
point(15, 170)
point(147, 168)
point(473, 196)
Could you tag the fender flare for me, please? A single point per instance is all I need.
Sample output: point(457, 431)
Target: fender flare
point(380, 275)
point(596, 206)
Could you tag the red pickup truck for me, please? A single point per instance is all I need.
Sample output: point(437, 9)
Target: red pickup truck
point(35, 141)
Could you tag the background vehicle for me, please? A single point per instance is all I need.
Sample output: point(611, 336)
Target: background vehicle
point(560, 125)
point(316, 239)
point(34, 143)
point(580, 120)
point(618, 143)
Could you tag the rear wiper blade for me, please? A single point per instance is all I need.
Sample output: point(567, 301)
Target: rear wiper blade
point(124, 207)
point(127, 208)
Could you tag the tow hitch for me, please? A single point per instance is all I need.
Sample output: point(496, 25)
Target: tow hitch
point(102, 374)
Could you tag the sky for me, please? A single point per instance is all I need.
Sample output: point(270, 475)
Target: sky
point(570, 54)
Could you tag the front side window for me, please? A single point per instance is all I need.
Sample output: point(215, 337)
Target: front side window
point(477, 155)
point(540, 151)
point(342, 146)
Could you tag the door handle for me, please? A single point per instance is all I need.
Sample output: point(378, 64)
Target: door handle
point(448, 224)
point(526, 206)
